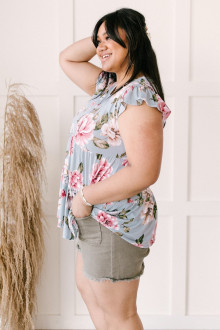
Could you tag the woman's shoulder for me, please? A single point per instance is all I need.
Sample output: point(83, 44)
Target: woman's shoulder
point(138, 91)
point(141, 82)
point(135, 88)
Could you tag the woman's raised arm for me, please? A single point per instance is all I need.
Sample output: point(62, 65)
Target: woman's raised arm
point(74, 61)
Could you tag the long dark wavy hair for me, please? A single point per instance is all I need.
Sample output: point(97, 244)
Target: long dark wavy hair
point(141, 55)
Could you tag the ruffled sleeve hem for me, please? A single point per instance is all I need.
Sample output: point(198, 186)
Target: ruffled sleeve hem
point(137, 92)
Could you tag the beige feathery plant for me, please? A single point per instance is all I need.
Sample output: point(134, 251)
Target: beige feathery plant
point(22, 219)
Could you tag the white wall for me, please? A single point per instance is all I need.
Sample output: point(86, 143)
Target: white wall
point(180, 288)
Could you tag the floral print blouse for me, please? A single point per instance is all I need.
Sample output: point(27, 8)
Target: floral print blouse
point(95, 151)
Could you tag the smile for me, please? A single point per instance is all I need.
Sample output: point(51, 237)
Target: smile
point(105, 57)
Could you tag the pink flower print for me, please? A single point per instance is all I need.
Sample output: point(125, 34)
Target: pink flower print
point(147, 212)
point(75, 180)
point(111, 130)
point(71, 145)
point(148, 207)
point(84, 130)
point(125, 162)
point(147, 194)
point(152, 240)
point(65, 171)
point(138, 244)
point(107, 220)
point(130, 200)
point(63, 193)
point(100, 171)
point(130, 88)
point(163, 107)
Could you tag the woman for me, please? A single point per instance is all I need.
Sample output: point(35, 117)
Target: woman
point(114, 155)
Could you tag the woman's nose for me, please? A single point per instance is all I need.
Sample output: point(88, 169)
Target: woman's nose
point(101, 45)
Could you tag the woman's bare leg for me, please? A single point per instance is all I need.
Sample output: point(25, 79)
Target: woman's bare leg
point(88, 295)
point(118, 302)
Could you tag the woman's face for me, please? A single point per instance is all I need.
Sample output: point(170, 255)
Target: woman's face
point(112, 55)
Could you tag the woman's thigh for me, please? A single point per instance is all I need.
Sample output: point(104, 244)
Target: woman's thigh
point(117, 299)
point(83, 283)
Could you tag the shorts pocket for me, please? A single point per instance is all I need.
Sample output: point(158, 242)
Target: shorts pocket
point(89, 230)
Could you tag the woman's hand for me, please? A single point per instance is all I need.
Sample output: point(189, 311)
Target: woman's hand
point(79, 209)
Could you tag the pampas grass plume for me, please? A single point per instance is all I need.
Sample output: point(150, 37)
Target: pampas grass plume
point(21, 217)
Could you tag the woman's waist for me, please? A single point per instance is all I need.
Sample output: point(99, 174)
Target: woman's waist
point(138, 206)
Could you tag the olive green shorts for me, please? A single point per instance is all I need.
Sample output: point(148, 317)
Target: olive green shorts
point(106, 255)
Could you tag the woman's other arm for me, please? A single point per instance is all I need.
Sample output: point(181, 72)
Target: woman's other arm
point(74, 61)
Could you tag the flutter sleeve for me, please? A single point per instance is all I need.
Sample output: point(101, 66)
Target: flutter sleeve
point(137, 92)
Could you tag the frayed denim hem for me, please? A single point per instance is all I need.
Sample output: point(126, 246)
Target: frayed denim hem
point(113, 280)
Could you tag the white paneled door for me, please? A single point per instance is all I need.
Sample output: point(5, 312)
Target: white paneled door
point(180, 288)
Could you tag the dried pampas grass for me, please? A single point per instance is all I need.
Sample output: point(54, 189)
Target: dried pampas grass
point(21, 216)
